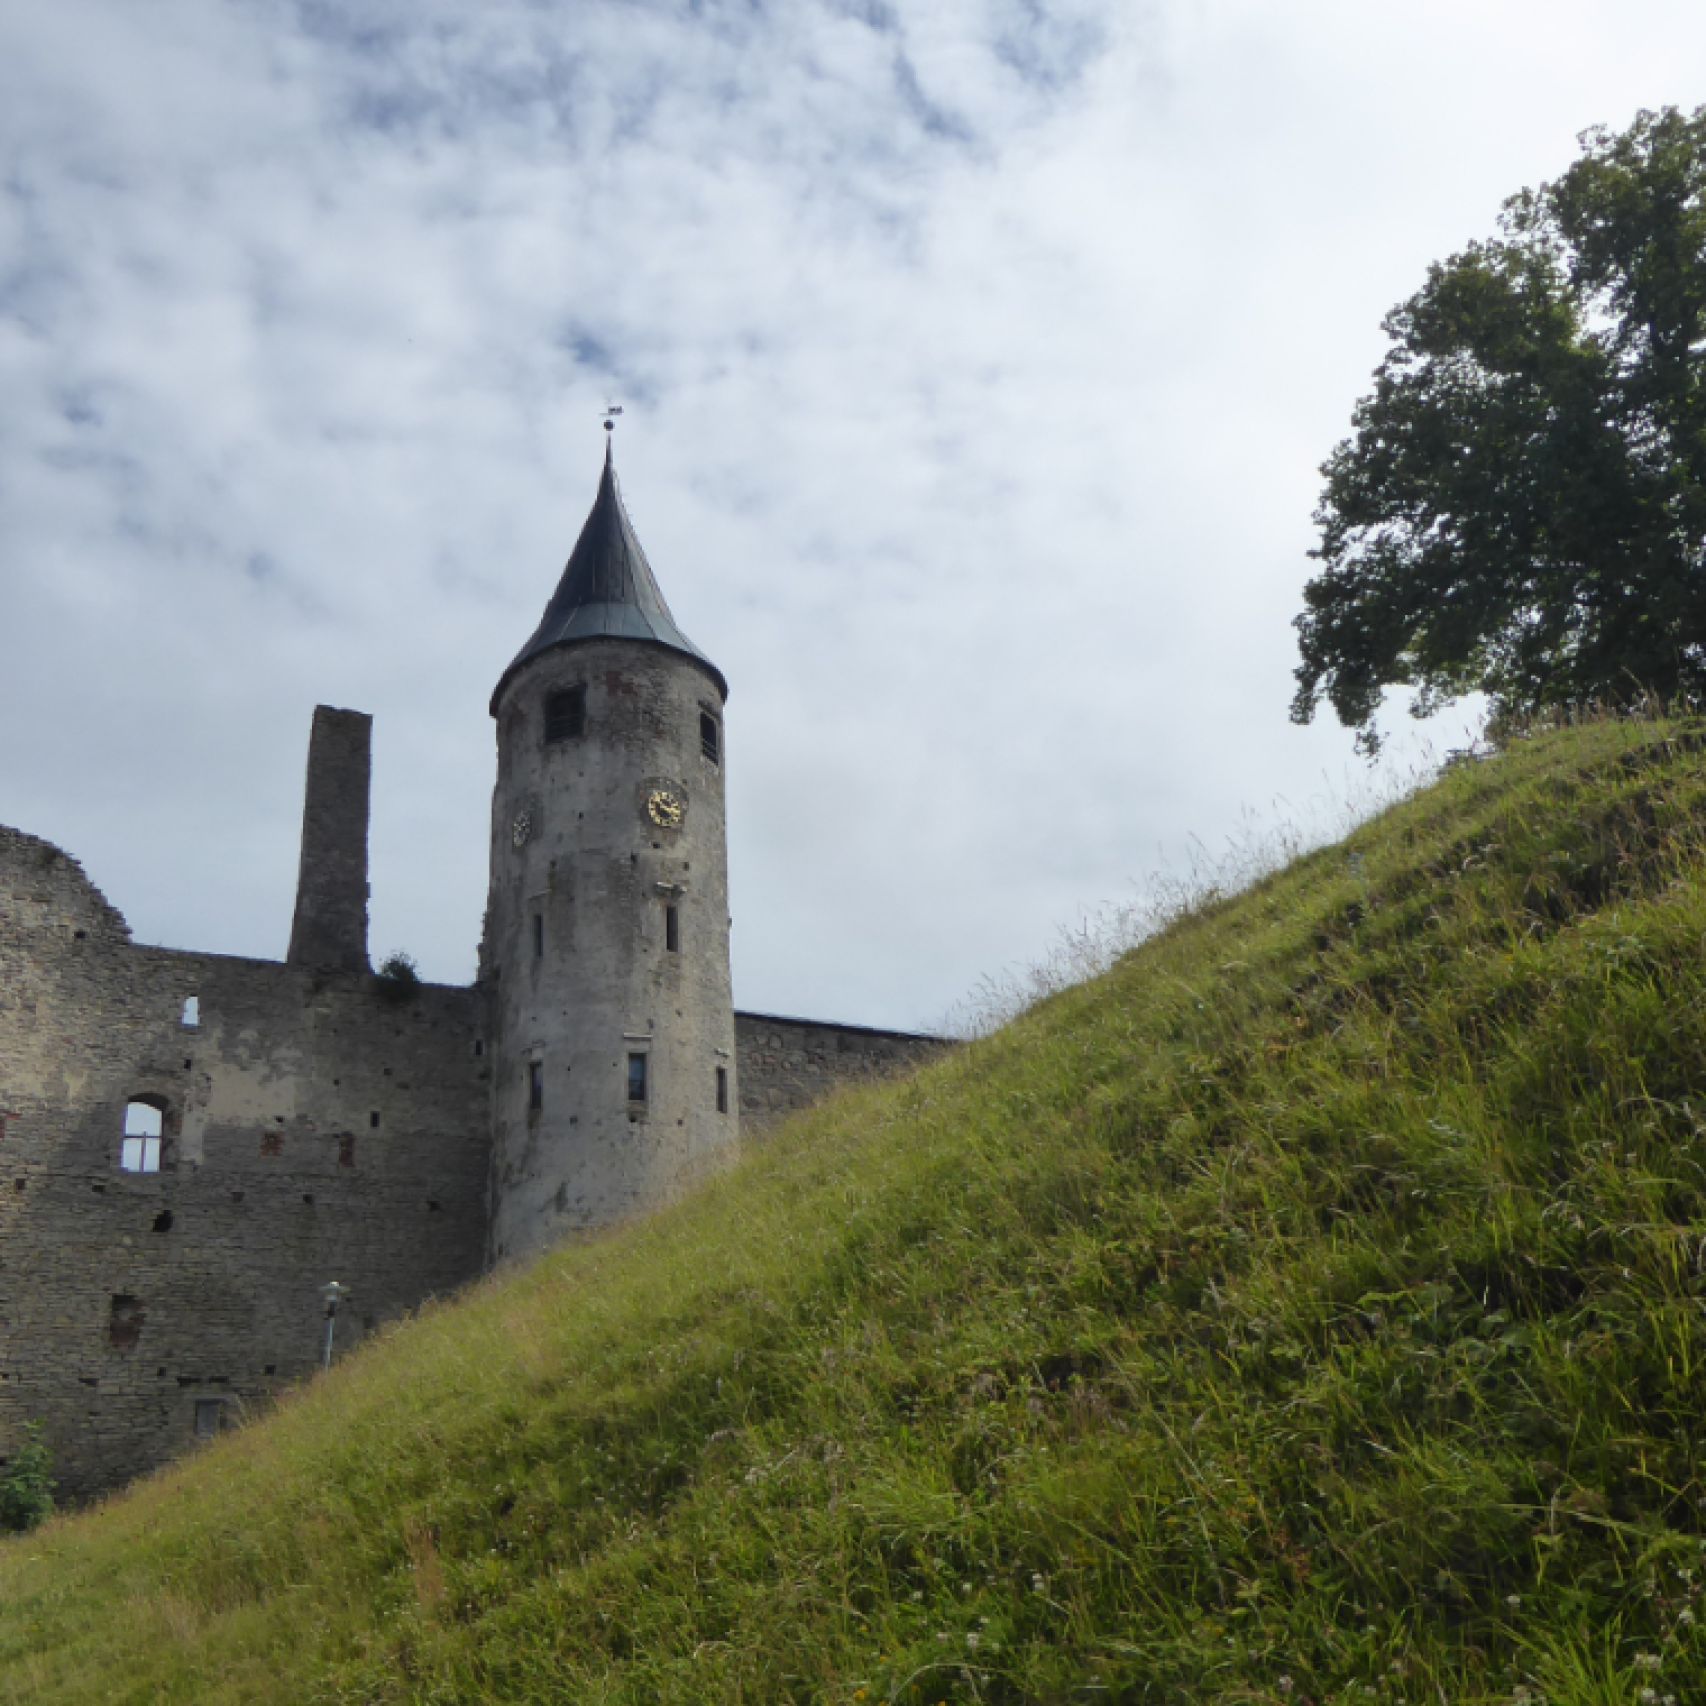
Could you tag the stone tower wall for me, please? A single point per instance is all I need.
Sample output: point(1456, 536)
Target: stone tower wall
point(330, 927)
point(314, 1130)
point(576, 949)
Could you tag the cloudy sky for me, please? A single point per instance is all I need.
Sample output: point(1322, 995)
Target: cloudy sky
point(978, 358)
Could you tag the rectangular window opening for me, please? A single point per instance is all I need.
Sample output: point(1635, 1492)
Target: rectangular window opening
point(565, 714)
point(637, 1078)
point(709, 736)
point(207, 1417)
point(535, 1085)
point(539, 935)
point(672, 929)
point(722, 1089)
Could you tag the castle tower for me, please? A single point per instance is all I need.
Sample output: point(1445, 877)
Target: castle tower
point(607, 925)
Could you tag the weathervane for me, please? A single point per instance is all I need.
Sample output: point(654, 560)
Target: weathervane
point(611, 411)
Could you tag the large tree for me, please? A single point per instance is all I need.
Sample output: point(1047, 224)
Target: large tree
point(1521, 507)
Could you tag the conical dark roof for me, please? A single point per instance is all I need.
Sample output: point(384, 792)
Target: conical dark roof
point(608, 592)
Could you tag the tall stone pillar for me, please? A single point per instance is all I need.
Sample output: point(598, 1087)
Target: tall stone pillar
point(330, 929)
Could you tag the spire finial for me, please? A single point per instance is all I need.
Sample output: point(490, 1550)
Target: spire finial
point(611, 411)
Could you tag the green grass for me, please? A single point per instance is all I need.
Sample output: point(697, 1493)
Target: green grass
point(1311, 1309)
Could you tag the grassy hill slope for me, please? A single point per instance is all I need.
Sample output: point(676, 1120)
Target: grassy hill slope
point(1311, 1309)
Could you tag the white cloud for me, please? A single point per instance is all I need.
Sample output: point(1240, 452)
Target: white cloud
point(978, 360)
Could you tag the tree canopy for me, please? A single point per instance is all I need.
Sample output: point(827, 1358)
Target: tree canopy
point(1521, 507)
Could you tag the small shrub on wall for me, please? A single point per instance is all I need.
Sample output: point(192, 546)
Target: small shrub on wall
point(398, 978)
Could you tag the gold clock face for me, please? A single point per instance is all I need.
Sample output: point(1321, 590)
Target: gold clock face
point(521, 828)
point(664, 807)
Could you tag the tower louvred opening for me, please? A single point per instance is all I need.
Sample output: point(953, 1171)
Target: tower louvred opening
point(565, 714)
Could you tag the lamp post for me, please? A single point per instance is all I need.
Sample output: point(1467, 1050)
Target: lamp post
point(334, 1294)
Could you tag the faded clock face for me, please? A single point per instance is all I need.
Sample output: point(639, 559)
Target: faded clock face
point(521, 828)
point(665, 808)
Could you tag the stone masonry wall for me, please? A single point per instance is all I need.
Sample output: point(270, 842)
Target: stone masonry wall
point(313, 1130)
point(787, 1064)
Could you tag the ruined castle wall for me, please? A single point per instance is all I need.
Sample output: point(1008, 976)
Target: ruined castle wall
point(313, 1130)
point(787, 1064)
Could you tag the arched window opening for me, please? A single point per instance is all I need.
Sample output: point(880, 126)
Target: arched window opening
point(144, 1129)
point(192, 1013)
